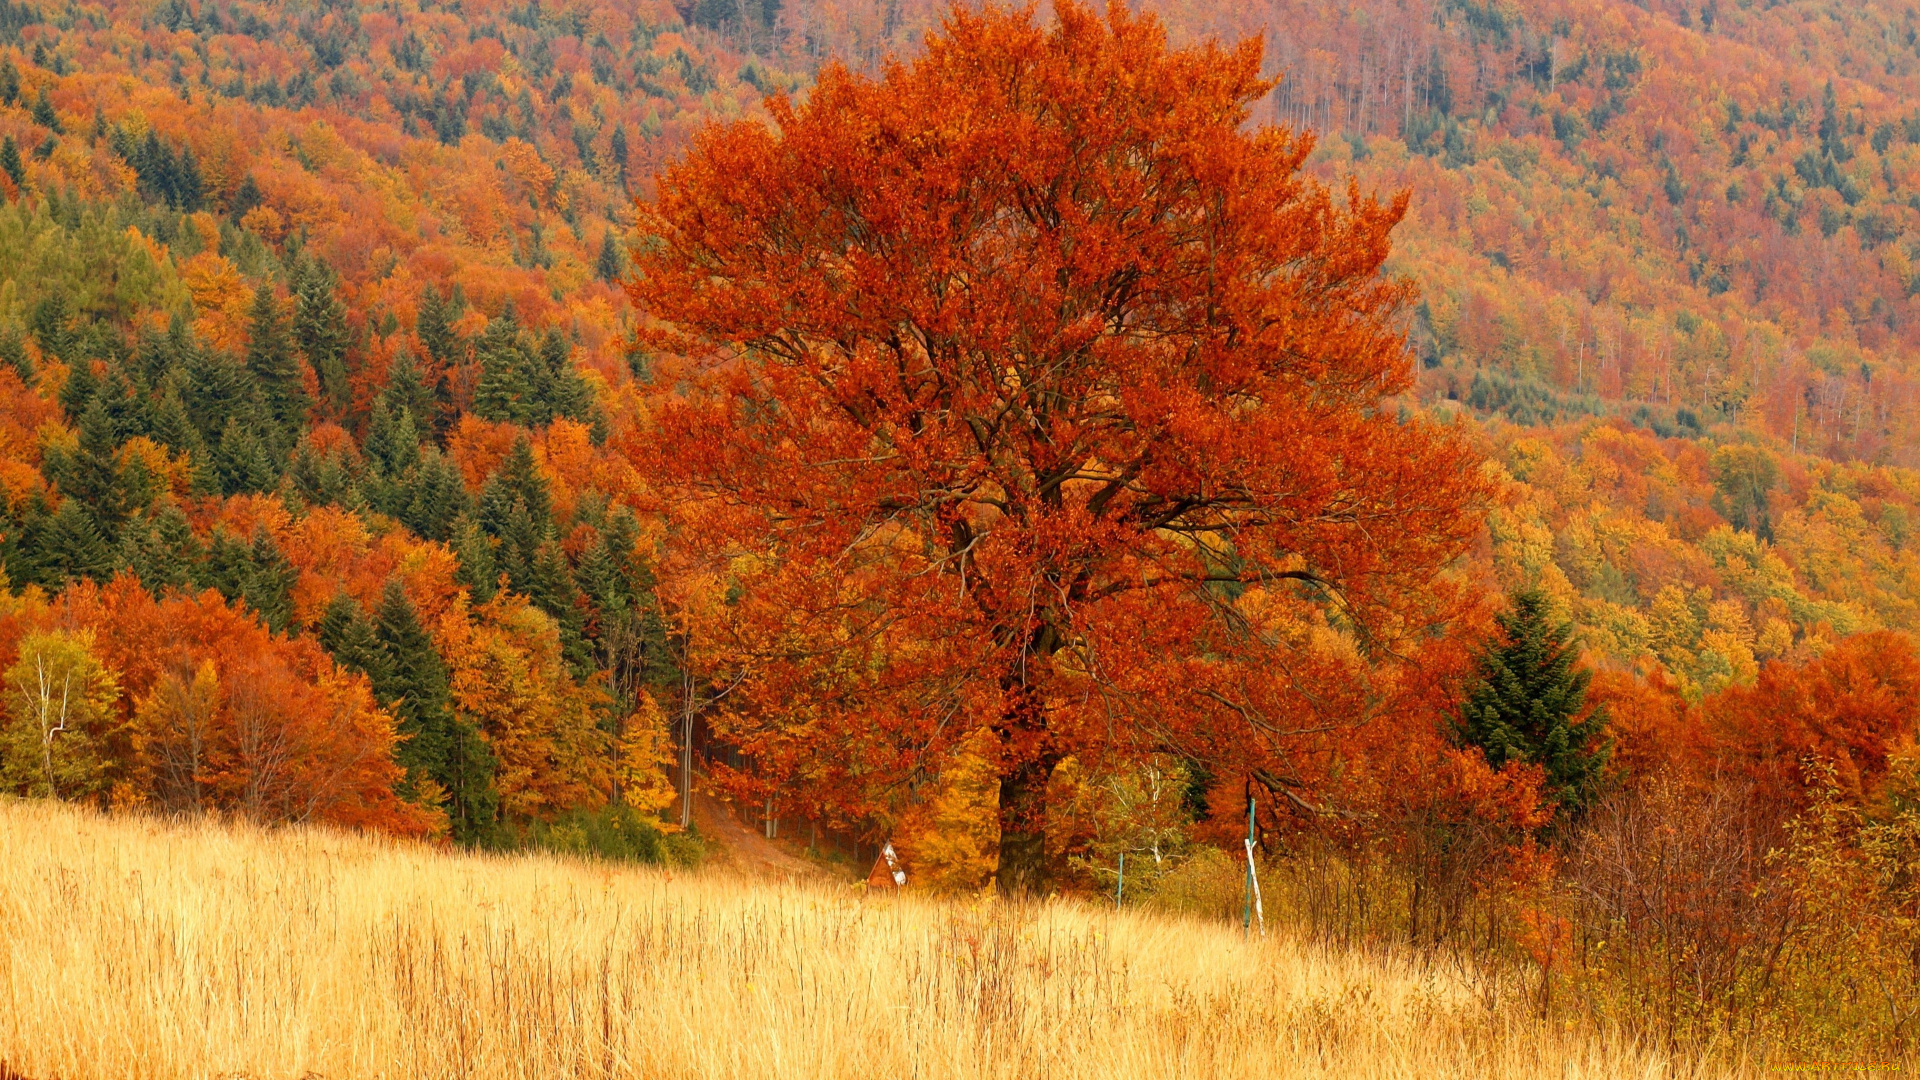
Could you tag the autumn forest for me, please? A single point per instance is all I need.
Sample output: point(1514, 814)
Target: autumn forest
point(1459, 460)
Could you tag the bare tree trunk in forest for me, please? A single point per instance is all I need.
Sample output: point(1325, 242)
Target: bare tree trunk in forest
point(1023, 828)
point(1028, 758)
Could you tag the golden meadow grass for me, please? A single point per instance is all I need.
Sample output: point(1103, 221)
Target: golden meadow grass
point(136, 948)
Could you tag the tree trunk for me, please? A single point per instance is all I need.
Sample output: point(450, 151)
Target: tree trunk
point(1027, 761)
point(1023, 828)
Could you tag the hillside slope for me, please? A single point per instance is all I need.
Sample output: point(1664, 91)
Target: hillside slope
point(310, 313)
point(1677, 207)
point(138, 947)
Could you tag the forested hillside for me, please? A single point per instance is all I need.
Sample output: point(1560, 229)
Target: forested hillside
point(316, 352)
point(1705, 207)
point(432, 416)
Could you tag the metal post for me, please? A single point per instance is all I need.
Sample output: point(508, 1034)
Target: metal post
point(686, 747)
point(1246, 917)
point(1120, 889)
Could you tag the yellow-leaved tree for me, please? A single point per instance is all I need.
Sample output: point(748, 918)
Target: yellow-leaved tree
point(61, 724)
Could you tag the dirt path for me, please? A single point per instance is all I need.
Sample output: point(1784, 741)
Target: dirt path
point(743, 846)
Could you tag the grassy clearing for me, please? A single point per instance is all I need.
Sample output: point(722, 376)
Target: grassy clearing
point(142, 948)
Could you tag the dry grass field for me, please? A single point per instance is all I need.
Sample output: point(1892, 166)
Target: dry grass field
point(134, 948)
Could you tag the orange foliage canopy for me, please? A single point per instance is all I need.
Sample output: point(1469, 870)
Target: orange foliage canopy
point(224, 715)
point(1028, 389)
point(1853, 707)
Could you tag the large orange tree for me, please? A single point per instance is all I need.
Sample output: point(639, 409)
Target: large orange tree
point(1025, 387)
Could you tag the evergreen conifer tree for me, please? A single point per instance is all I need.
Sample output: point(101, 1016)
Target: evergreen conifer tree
point(271, 362)
point(159, 353)
point(519, 547)
point(407, 390)
point(43, 113)
point(11, 164)
point(13, 354)
point(71, 546)
point(345, 633)
point(610, 263)
point(322, 479)
point(23, 530)
point(551, 588)
point(215, 390)
point(320, 331)
point(51, 323)
point(242, 464)
point(439, 746)
point(125, 402)
point(169, 423)
point(267, 582)
point(1528, 704)
point(161, 550)
point(189, 186)
point(477, 570)
point(517, 479)
point(599, 578)
point(393, 442)
point(435, 496)
point(617, 150)
point(446, 351)
point(90, 474)
point(510, 386)
point(245, 197)
point(434, 327)
point(567, 393)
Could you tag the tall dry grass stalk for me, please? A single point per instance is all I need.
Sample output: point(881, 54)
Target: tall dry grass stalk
point(132, 947)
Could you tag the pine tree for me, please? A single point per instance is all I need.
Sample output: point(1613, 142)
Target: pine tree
point(13, 354)
point(510, 386)
point(71, 545)
point(43, 113)
point(215, 391)
point(11, 164)
point(161, 550)
point(267, 586)
point(439, 745)
point(393, 443)
point(271, 361)
point(407, 390)
point(517, 479)
point(477, 569)
point(345, 633)
point(320, 330)
point(567, 393)
point(617, 150)
point(242, 464)
point(51, 324)
point(91, 472)
point(1529, 705)
point(609, 266)
point(435, 497)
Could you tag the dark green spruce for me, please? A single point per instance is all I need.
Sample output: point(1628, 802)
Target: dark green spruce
point(1529, 704)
